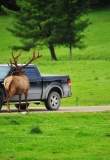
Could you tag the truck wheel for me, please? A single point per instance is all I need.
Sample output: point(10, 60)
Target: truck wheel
point(22, 106)
point(1, 102)
point(53, 101)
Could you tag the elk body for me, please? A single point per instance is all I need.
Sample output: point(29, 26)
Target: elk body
point(17, 84)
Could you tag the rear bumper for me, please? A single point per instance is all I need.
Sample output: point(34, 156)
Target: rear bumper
point(69, 94)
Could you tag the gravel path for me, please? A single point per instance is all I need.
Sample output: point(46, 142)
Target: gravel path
point(62, 109)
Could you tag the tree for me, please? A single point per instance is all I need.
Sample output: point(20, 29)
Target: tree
point(34, 24)
point(49, 22)
point(69, 29)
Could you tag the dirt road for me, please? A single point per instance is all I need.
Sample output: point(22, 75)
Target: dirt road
point(61, 109)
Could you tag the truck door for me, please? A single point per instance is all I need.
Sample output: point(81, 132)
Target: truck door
point(35, 80)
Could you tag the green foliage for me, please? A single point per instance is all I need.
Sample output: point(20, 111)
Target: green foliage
point(33, 23)
point(49, 23)
point(64, 136)
point(70, 26)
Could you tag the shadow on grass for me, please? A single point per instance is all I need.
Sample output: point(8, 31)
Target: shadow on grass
point(35, 130)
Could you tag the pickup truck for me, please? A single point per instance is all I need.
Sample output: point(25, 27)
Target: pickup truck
point(43, 88)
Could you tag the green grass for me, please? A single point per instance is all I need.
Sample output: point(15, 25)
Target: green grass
point(55, 136)
point(98, 39)
point(90, 68)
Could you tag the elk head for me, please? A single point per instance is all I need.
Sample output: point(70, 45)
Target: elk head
point(17, 68)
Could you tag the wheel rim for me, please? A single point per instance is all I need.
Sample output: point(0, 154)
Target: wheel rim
point(54, 101)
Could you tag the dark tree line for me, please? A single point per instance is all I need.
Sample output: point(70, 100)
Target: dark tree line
point(11, 4)
point(99, 3)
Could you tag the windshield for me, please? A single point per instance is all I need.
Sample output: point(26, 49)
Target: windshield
point(4, 72)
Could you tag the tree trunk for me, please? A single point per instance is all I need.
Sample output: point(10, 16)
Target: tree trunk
point(70, 52)
point(51, 47)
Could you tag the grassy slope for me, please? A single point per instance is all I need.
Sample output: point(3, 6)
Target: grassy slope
point(90, 79)
point(98, 39)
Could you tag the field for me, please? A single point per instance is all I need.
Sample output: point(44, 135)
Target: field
point(72, 136)
point(55, 136)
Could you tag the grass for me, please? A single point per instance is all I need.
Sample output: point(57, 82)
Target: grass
point(55, 136)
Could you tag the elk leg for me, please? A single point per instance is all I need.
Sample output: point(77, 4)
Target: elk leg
point(26, 102)
point(8, 107)
point(19, 103)
point(9, 95)
point(8, 99)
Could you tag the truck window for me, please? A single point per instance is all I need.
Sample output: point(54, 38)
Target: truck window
point(4, 72)
point(31, 74)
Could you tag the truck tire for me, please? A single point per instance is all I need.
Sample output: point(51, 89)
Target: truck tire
point(53, 101)
point(1, 102)
point(22, 106)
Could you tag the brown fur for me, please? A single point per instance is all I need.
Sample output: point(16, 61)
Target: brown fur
point(16, 85)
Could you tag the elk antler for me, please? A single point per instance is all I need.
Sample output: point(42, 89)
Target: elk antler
point(15, 59)
point(32, 59)
point(14, 64)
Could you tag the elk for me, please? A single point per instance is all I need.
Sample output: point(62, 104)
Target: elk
point(17, 83)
